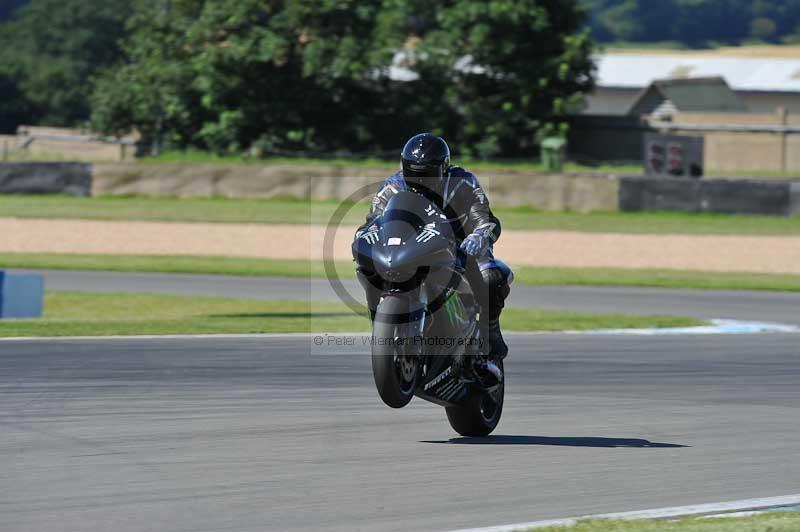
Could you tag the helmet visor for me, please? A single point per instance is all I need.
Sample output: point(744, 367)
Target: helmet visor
point(422, 176)
point(421, 170)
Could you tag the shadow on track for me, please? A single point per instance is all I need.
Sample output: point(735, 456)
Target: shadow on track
point(588, 441)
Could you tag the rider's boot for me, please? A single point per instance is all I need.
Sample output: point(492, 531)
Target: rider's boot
point(494, 293)
point(487, 371)
point(498, 349)
point(497, 286)
point(486, 366)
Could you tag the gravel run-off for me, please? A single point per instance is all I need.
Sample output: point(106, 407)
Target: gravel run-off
point(762, 254)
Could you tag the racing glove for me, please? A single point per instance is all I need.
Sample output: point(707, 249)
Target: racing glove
point(475, 245)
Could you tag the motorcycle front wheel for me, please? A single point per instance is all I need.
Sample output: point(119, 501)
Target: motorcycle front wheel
point(480, 414)
point(395, 365)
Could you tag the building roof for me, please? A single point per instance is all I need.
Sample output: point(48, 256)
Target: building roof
point(637, 71)
point(688, 94)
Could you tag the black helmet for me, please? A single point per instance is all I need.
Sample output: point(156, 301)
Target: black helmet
point(425, 160)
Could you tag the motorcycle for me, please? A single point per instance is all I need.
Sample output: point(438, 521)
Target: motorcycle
point(425, 327)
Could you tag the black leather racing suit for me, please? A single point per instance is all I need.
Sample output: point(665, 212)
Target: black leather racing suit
point(461, 197)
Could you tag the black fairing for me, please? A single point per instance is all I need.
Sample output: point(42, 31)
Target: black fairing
point(414, 240)
point(416, 254)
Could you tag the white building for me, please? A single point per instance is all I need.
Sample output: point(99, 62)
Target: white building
point(762, 84)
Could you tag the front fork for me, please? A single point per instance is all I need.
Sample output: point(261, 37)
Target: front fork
point(412, 326)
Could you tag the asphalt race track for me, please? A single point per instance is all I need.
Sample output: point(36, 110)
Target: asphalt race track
point(743, 305)
point(252, 434)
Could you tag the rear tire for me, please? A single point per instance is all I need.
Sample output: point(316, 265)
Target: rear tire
point(394, 370)
point(479, 416)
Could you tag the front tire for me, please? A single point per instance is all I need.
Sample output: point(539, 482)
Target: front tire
point(395, 366)
point(479, 416)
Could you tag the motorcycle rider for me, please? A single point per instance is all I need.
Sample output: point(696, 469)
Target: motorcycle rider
point(426, 170)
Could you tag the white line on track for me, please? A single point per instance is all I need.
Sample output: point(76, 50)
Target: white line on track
point(745, 505)
point(716, 327)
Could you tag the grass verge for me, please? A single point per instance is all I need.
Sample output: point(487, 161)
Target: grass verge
point(303, 269)
point(295, 211)
point(103, 314)
point(209, 265)
point(695, 280)
point(767, 522)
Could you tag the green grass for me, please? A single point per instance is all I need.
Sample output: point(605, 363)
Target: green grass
point(295, 211)
point(102, 314)
point(516, 319)
point(657, 279)
point(523, 218)
point(170, 209)
point(767, 522)
point(301, 268)
point(167, 264)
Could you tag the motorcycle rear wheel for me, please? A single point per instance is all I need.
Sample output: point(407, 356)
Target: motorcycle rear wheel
point(479, 416)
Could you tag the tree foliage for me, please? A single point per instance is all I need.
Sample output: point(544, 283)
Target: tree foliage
point(49, 51)
point(226, 75)
point(515, 66)
point(694, 22)
point(320, 75)
point(316, 75)
point(7, 8)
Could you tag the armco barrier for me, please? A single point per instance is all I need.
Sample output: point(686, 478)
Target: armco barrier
point(46, 178)
point(21, 295)
point(731, 196)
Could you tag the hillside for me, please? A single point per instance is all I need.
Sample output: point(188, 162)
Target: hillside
point(694, 23)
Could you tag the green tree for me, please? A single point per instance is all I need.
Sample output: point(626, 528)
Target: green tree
point(298, 75)
point(14, 108)
point(224, 75)
point(762, 28)
point(693, 22)
point(512, 66)
point(7, 8)
point(52, 47)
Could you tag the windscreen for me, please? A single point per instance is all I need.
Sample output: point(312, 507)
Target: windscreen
point(405, 211)
point(408, 212)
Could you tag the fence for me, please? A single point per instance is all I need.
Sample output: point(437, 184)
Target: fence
point(33, 142)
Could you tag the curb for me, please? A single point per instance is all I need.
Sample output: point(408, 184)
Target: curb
point(749, 506)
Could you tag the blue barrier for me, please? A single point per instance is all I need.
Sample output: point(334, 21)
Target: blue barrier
point(21, 295)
